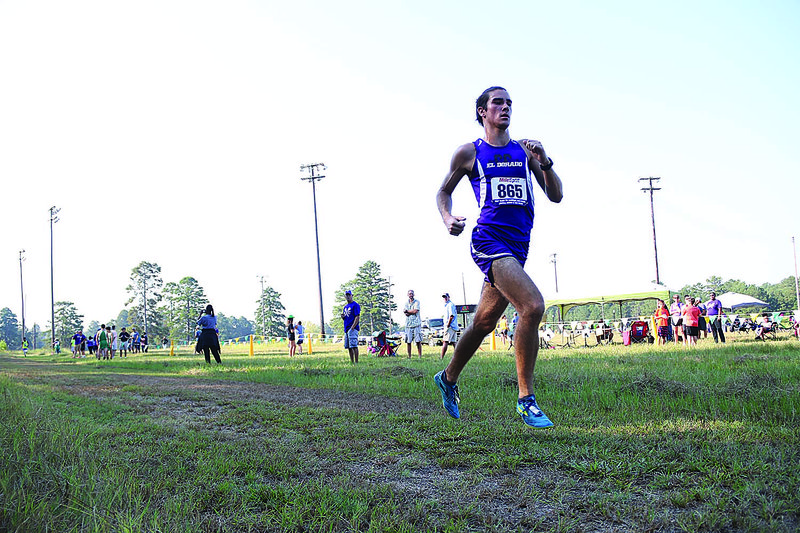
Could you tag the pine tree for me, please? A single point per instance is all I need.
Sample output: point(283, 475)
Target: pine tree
point(270, 320)
point(68, 322)
point(371, 292)
point(144, 294)
point(9, 329)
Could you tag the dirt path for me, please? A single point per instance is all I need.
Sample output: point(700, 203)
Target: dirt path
point(219, 390)
point(180, 401)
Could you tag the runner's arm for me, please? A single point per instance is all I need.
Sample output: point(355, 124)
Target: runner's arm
point(548, 179)
point(460, 166)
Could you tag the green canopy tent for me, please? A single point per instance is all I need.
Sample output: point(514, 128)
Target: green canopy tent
point(565, 305)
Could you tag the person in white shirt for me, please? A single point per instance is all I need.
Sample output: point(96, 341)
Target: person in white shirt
point(450, 323)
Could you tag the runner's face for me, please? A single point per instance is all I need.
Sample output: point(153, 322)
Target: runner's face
point(498, 109)
point(411, 295)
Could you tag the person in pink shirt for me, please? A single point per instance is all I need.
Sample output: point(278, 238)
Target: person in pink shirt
point(691, 318)
point(677, 321)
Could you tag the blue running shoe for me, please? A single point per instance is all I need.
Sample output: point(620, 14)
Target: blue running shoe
point(450, 397)
point(529, 410)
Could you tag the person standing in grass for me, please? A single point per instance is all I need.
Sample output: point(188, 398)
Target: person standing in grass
point(124, 338)
point(290, 335)
point(300, 330)
point(450, 322)
point(502, 329)
point(208, 342)
point(109, 351)
point(135, 340)
point(676, 314)
point(501, 172)
point(102, 342)
point(512, 329)
point(702, 329)
point(691, 319)
point(80, 343)
point(662, 322)
point(114, 341)
point(714, 314)
point(351, 314)
point(25, 346)
point(413, 323)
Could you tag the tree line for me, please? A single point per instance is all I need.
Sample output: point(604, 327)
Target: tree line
point(170, 310)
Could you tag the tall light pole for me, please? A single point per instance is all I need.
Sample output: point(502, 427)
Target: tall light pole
point(22, 292)
point(263, 311)
point(314, 175)
point(555, 269)
point(53, 219)
point(796, 284)
point(653, 216)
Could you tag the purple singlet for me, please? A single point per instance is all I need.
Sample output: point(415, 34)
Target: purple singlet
point(502, 184)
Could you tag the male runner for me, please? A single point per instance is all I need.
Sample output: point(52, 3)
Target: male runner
point(499, 170)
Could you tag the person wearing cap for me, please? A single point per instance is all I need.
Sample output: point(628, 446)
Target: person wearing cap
point(450, 323)
point(714, 314)
point(502, 172)
point(351, 313)
point(413, 323)
point(290, 335)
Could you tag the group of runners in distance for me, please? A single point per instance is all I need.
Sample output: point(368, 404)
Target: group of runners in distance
point(106, 342)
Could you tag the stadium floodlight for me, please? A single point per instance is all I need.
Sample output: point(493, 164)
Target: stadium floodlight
point(314, 174)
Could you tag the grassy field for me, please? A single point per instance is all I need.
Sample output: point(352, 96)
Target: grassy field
point(646, 439)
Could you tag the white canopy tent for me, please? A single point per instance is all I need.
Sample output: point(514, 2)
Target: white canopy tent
point(735, 300)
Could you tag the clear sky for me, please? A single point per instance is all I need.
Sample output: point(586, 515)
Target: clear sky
point(173, 132)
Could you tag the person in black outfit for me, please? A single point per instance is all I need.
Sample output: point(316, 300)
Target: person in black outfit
point(209, 339)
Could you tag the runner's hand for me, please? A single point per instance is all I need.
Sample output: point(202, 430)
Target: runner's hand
point(455, 225)
point(536, 149)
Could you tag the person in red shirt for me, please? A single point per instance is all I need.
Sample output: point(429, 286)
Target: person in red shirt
point(662, 322)
point(691, 319)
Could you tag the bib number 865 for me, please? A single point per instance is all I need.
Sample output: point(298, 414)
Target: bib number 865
point(510, 191)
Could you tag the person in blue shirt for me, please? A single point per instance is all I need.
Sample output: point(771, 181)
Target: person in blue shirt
point(300, 329)
point(209, 340)
point(502, 173)
point(80, 343)
point(351, 313)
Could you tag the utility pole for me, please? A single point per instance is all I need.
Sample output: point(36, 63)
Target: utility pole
point(796, 284)
point(555, 269)
point(22, 291)
point(53, 219)
point(650, 188)
point(263, 310)
point(314, 175)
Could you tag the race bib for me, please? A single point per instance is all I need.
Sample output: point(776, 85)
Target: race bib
point(509, 191)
